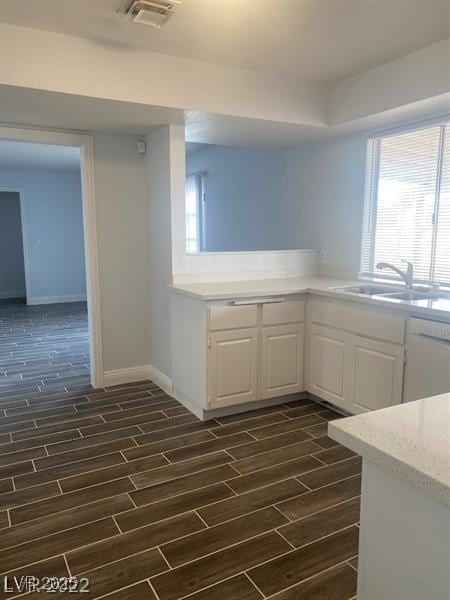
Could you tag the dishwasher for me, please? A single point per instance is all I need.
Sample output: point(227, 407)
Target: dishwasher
point(427, 370)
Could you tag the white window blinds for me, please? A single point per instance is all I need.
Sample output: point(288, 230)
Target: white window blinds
point(407, 204)
point(195, 212)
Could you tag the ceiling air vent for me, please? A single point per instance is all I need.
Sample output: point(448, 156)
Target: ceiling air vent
point(154, 12)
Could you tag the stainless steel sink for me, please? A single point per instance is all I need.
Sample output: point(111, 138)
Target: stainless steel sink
point(367, 290)
point(411, 295)
point(389, 293)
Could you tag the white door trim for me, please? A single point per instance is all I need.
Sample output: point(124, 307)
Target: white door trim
point(86, 145)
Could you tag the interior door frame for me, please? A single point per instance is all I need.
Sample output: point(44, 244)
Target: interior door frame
point(86, 145)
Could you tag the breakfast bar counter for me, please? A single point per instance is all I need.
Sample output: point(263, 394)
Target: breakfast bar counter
point(405, 510)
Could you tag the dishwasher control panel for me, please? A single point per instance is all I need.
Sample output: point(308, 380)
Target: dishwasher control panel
point(434, 329)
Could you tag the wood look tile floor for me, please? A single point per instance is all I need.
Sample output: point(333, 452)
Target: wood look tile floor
point(43, 346)
point(126, 487)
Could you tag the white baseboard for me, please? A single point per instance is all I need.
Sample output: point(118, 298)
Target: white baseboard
point(128, 375)
point(164, 382)
point(55, 299)
point(206, 415)
point(131, 374)
point(13, 294)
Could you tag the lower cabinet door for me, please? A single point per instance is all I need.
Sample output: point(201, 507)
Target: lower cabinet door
point(331, 365)
point(378, 375)
point(232, 368)
point(282, 360)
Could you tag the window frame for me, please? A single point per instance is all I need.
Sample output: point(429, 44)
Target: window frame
point(368, 237)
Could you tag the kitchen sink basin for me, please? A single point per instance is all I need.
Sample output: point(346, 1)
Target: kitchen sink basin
point(409, 296)
point(367, 290)
point(390, 293)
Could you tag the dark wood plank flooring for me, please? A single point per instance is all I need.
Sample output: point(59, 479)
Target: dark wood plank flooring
point(126, 487)
point(42, 348)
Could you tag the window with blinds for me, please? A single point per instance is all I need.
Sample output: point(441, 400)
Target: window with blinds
point(195, 212)
point(407, 204)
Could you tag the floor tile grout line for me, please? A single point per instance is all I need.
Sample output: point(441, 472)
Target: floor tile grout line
point(279, 556)
point(81, 459)
point(84, 447)
point(319, 539)
point(301, 581)
point(113, 517)
point(189, 511)
point(64, 442)
point(94, 469)
point(153, 589)
point(244, 572)
point(316, 512)
point(126, 587)
point(132, 501)
point(285, 539)
point(280, 448)
point(277, 465)
point(179, 514)
point(233, 545)
point(40, 537)
point(287, 421)
point(246, 492)
point(327, 484)
point(254, 584)
point(85, 573)
point(77, 548)
point(201, 518)
point(67, 565)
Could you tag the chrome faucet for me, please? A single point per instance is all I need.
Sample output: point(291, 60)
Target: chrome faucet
point(408, 276)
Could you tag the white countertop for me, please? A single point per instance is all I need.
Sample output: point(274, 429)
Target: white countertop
point(223, 290)
point(411, 440)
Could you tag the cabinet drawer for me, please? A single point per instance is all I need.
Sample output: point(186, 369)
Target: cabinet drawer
point(232, 317)
point(290, 311)
point(367, 322)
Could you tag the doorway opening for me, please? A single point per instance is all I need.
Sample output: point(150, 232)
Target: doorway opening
point(49, 305)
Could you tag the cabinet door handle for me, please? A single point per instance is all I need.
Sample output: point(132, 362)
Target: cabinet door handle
point(257, 301)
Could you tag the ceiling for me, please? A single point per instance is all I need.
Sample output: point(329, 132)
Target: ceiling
point(322, 40)
point(195, 147)
point(37, 108)
point(27, 156)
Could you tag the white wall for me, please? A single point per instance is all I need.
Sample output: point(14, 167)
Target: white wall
point(216, 266)
point(327, 182)
point(165, 178)
point(12, 271)
point(245, 209)
point(53, 225)
point(122, 224)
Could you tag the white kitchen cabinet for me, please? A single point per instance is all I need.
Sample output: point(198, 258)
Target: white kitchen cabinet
point(232, 369)
point(378, 375)
point(245, 352)
point(331, 365)
point(355, 372)
point(236, 353)
point(281, 360)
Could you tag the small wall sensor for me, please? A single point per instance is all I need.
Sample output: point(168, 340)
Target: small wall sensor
point(141, 147)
